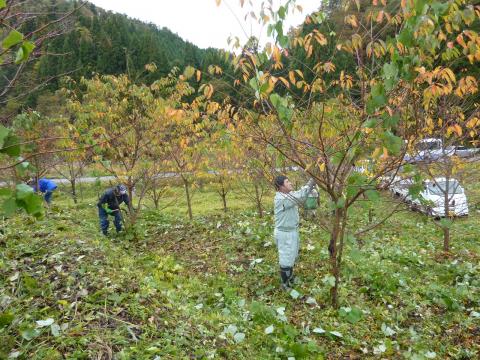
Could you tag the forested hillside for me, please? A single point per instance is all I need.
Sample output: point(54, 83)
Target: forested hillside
point(97, 41)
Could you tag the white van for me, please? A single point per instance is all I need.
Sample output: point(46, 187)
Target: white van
point(433, 194)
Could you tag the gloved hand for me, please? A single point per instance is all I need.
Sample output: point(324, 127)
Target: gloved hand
point(109, 211)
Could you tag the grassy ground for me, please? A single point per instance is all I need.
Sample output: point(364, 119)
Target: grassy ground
point(209, 288)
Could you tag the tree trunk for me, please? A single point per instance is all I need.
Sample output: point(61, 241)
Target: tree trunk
point(73, 184)
point(132, 214)
point(446, 228)
point(335, 249)
point(259, 201)
point(156, 197)
point(224, 200)
point(446, 239)
point(189, 202)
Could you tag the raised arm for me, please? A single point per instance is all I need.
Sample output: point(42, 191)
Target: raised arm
point(295, 198)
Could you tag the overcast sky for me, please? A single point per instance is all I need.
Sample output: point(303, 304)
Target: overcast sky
point(200, 21)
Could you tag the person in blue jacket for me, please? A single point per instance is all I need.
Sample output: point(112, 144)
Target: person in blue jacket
point(45, 186)
point(109, 204)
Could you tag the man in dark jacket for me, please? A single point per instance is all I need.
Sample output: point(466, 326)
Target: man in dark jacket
point(109, 204)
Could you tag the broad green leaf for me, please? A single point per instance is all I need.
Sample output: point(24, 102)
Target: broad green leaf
point(254, 83)
point(20, 56)
point(406, 37)
point(392, 142)
point(4, 132)
point(24, 51)
point(23, 191)
point(5, 192)
point(279, 29)
point(282, 12)
point(283, 41)
point(29, 334)
point(55, 329)
point(12, 39)
point(34, 205)
point(390, 121)
point(420, 6)
point(3, 3)
point(9, 206)
point(372, 195)
point(6, 319)
point(11, 146)
point(370, 123)
point(352, 315)
point(299, 350)
point(264, 88)
point(390, 70)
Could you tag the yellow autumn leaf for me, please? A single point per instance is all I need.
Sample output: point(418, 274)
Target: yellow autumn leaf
point(291, 76)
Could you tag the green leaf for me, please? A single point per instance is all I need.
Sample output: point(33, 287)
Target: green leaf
point(34, 206)
point(352, 315)
point(279, 29)
point(283, 41)
point(55, 329)
point(406, 37)
point(24, 51)
point(4, 132)
point(372, 195)
point(23, 191)
point(282, 12)
point(392, 142)
point(11, 146)
point(390, 121)
point(20, 56)
point(299, 350)
point(6, 319)
point(264, 88)
point(420, 6)
point(12, 39)
point(254, 83)
point(390, 70)
point(5, 192)
point(370, 123)
point(29, 334)
point(9, 206)
point(3, 3)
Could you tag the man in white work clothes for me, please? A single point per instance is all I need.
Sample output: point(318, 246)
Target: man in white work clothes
point(287, 218)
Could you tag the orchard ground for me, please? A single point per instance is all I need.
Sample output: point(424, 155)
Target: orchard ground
point(210, 288)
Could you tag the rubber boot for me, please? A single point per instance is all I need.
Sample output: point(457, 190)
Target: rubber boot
point(285, 275)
